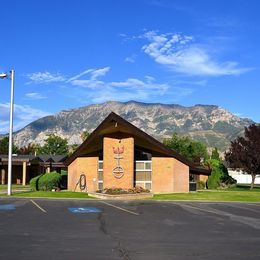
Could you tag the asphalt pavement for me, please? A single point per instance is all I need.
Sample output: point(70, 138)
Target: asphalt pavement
point(84, 229)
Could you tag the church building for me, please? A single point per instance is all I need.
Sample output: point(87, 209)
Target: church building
point(120, 155)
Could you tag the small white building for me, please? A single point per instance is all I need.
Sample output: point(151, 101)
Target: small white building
point(242, 178)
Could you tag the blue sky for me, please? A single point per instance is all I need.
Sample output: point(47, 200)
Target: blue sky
point(68, 54)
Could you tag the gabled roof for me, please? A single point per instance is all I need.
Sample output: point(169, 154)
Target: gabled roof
point(30, 157)
point(136, 132)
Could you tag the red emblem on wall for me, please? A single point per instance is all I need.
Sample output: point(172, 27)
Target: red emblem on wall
point(118, 171)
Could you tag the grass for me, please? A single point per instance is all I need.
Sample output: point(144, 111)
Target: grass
point(238, 193)
point(50, 194)
point(241, 187)
point(14, 187)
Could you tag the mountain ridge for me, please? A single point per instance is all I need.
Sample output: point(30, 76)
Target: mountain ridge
point(211, 124)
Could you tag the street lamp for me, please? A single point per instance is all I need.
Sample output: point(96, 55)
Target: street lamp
point(10, 149)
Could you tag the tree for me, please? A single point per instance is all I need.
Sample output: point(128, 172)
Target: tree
point(215, 154)
point(73, 148)
point(54, 145)
point(190, 149)
point(4, 146)
point(84, 135)
point(244, 152)
point(219, 174)
point(31, 148)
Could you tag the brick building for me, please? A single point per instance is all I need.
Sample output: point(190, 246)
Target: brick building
point(25, 167)
point(118, 154)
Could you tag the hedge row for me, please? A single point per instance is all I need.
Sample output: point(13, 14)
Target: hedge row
point(49, 181)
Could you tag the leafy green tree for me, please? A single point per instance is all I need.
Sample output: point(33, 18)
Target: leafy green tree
point(244, 152)
point(215, 154)
point(54, 145)
point(84, 135)
point(219, 174)
point(187, 147)
point(4, 146)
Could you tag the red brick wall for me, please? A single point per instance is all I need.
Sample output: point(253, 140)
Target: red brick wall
point(83, 165)
point(127, 162)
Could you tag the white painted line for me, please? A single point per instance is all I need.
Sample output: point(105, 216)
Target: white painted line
point(205, 210)
point(38, 206)
point(128, 211)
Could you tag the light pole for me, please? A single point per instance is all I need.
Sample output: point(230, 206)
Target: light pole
point(10, 149)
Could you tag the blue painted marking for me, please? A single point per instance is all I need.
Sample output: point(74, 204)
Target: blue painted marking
point(84, 210)
point(7, 207)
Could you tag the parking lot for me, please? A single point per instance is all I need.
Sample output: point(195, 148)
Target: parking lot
point(91, 229)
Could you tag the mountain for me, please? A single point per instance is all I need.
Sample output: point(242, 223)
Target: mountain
point(207, 123)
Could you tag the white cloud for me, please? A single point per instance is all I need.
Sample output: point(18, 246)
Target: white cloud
point(179, 53)
point(99, 72)
point(130, 59)
point(45, 77)
point(94, 73)
point(80, 75)
point(35, 95)
point(131, 88)
point(23, 115)
point(89, 86)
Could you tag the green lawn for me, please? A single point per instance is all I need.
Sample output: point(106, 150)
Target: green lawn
point(212, 195)
point(50, 194)
point(238, 193)
point(14, 187)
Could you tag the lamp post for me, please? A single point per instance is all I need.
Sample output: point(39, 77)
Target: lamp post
point(10, 149)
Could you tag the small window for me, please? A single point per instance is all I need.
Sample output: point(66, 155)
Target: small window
point(100, 185)
point(100, 165)
point(100, 175)
point(139, 166)
point(148, 186)
point(143, 176)
point(148, 166)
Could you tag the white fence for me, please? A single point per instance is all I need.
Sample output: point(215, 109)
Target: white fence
point(243, 178)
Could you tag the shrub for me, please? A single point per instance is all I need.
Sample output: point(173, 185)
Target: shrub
point(219, 175)
point(201, 185)
point(34, 183)
point(228, 180)
point(116, 191)
point(64, 179)
point(49, 181)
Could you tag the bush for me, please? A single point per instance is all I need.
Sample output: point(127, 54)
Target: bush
point(201, 185)
point(228, 180)
point(117, 191)
point(64, 179)
point(49, 181)
point(34, 183)
point(219, 175)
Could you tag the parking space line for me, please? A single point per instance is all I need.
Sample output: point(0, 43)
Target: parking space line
point(38, 206)
point(205, 210)
point(128, 211)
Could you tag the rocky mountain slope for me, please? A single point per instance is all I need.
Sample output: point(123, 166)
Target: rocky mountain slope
point(211, 124)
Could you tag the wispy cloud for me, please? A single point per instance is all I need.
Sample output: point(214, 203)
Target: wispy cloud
point(35, 95)
point(23, 115)
point(94, 73)
point(130, 59)
point(131, 88)
point(180, 53)
point(91, 87)
point(45, 77)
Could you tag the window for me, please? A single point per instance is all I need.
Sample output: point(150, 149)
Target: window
point(100, 175)
point(143, 174)
point(100, 165)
